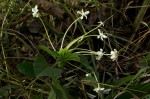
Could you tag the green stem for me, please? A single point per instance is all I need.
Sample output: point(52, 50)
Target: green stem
point(81, 37)
point(47, 34)
point(67, 31)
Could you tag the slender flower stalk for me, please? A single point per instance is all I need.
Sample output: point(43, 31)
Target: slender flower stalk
point(83, 14)
point(67, 32)
point(35, 13)
point(98, 88)
point(47, 34)
point(81, 37)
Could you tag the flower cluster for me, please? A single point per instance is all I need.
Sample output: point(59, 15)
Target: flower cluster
point(35, 11)
point(113, 54)
point(99, 54)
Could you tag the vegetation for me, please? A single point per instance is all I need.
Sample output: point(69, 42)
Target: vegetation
point(74, 49)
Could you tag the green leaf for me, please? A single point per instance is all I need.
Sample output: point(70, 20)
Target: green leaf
point(140, 90)
point(42, 68)
point(85, 63)
point(26, 68)
point(125, 95)
point(52, 95)
point(55, 54)
point(146, 96)
point(66, 55)
point(145, 61)
point(124, 80)
point(61, 63)
point(140, 87)
point(36, 97)
point(4, 90)
point(90, 81)
point(59, 90)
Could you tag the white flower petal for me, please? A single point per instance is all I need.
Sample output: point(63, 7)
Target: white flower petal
point(87, 12)
point(35, 11)
point(99, 54)
point(78, 12)
point(101, 89)
point(98, 37)
point(35, 14)
point(101, 35)
point(104, 36)
point(101, 23)
point(114, 55)
point(81, 17)
point(98, 89)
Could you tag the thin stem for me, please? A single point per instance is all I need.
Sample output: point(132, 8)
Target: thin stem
point(1, 39)
point(67, 31)
point(47, 34)
point(77, 67)
point(4, 58)
point(1, 35)
point(81, 37)
point(95, 77)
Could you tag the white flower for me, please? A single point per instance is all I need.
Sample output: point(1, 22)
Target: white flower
point(114, 55)
point(98, 89)
point(35, 11)
point(99, 54)
point(83, 14)
point(101, 35)
point(88, 75)
point(101, 23)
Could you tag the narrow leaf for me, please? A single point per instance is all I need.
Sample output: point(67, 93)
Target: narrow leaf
point(52, 95)
point(46, 49)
